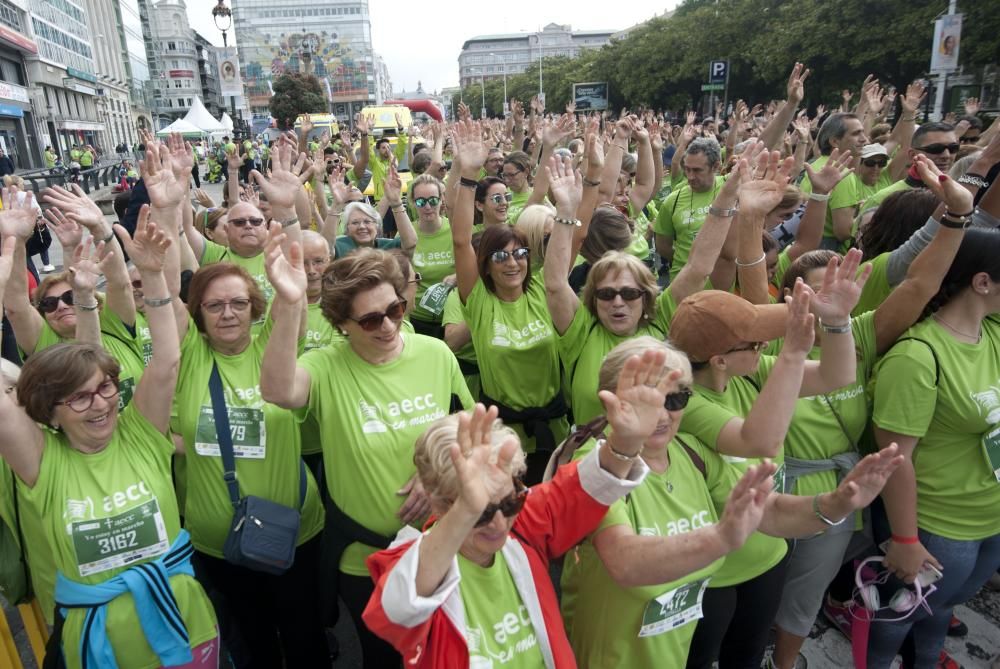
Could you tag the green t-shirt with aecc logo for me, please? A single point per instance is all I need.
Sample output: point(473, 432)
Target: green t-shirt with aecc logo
point(143, 337)
point(105, 512)
point(518, 352)
point(646, 626)
point(434, 259)
point(681, 217)
point(265, 442)
point(371, 415)
point(845, 194)
point(947, 394)
point(877, 288)
point(707, 413)
point(319, 333)
point(499, 631)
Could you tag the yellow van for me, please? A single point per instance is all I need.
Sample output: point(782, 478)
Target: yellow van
point(384, 125)
point(322, 123)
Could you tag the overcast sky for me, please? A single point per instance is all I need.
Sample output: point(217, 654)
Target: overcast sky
point(421, 41)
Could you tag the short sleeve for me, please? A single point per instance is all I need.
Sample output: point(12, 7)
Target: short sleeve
point(666, 306)
point(617, 515)
point(572, 341)
point(453, 310)
point(906, 389)
point(212, 253)
point(720, 476)
point(459, 388)
point(705, 419)
point(385, 243)
point(844, 195)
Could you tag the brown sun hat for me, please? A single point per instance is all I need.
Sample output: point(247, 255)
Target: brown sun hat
point(713, 322)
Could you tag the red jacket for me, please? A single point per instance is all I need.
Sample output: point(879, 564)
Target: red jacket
point(430, 632)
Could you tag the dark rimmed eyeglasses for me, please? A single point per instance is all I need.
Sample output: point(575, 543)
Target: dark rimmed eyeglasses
point(500, 257)
point(509, 175)
point(874, 162)
point(628, 293)
point(80, 402)
point(373, 321)
point(47, 305)
point(237, 305)
point(678, 400)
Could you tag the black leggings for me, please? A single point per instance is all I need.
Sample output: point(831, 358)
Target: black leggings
point(275, 616)
point(737, 620)
point(355, 591)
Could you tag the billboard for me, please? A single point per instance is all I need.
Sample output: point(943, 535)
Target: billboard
point(591, 96)
point(947, 35)
point(229, 73)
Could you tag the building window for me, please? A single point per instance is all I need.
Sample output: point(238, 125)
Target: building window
point(10, 17)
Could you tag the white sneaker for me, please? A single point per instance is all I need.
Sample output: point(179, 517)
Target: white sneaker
point(49, 268)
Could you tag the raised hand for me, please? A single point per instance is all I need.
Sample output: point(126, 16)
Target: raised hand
point(85, 270)
point(306, 125)
point(957, 199)
point(393, 187)
point(77, 207)
point(745, 506)
point(554, 131)
point(595, 155)
point(148, 247)
point(165, 192)
point(362, 124)
point(469, 148)
point(832, 173)
point(203, 198)
point(233, 160)
point(181, 158)
point(796, 80)
point(633, 410)
point(18, 216)
point(761, 191)
point(800, 334)
point(284, 183)
point(6, 260)
point(68, 232)
point(915, 93)
point(338, 188)
point(820, 110)
point(841, 288)
point(286, 273)
point(249, 194)
point(865, 481)
point(482, 476)
point(566, 185)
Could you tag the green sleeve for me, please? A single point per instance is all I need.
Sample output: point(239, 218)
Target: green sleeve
point(571, 342)
point(212, 253)
point(906, 389)
point(617, 515)
point(784, 263)
point(764, 368)
point(664, 223)
point(844, 195)
point(705, 419)
point(402, 142)
point(458, 385)
point(453, 310)
point(666, 306)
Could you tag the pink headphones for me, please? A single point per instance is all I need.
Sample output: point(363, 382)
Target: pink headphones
point(904, 601)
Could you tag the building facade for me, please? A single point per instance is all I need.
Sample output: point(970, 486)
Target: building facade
point(331, 40)
point(489, 56)
point(208, 67)
point(383, 83)
point(177, 80)
point(114, 104)
point(132, 45)
point(18, 130)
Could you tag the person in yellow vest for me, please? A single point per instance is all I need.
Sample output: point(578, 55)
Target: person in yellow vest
point(87, 157)
point(50, 157)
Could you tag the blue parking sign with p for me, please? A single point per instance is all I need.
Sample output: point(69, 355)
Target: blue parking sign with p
point(717, 71)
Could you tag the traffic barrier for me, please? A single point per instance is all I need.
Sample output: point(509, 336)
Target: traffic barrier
point(36, 631)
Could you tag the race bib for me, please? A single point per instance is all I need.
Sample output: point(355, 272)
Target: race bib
point(991, 450)
point(673, 609)
point(779, 478)
point(434, 298)
point(118, 541)
point(126, 388)
point(246, 428)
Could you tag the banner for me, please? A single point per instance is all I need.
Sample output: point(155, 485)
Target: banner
point(592, 96)
point(229, 73)
point(947, 35)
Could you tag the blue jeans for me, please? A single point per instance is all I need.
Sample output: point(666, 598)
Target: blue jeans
point(967, 565)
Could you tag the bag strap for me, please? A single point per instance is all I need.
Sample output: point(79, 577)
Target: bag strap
point(840, 422)
point(223, 435)
point(937, 365)
point(699, 462)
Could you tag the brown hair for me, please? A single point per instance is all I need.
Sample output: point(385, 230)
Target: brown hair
point(804, 264)
point(346, 277)
point(616, 262)
point(610, 230)
point(482, 188)
point(204, 277)
point(495, 238)
point(57, 372)
point(47, 283)
point(520, 160)
point(208, 219)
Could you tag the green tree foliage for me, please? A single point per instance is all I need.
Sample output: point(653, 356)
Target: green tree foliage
point(296, 94)
point(663, 63)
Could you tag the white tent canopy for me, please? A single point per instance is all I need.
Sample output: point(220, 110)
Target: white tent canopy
point(199, 117)
point(226, 122)
point(183, 127)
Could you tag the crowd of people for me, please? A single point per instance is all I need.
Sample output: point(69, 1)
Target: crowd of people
point(716, 378)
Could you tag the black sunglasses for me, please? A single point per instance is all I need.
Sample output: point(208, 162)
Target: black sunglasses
point(628, 294)
point(47, 305)
point(874, 162)
point(935, 149)
point(500, 257)
point(241, 222)
point(677, 401)
point(373, 321)
point(969, 140)
point(509, 506)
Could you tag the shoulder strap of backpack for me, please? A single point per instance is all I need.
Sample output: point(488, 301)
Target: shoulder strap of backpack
point(937, 364)
point(699, 462)
point(565, 451)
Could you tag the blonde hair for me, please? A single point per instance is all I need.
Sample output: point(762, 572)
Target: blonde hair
point(531, 225)
point(432, 456)
point(617, 262)
point(13, 180)
point(614, 362)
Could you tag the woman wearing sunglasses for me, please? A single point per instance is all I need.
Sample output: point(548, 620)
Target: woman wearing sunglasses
point(508, 318)
point(492, 202)
point(372, 396)
point(100, 480)
point(476, 584)
point(433, 257)
point(632, 591)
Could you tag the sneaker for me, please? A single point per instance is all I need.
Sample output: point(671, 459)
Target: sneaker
point(840, 615)
point(957, 628)
point(48, 268)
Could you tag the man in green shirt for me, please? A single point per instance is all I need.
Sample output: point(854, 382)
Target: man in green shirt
point(381, 157)
point(844, 132)
point(87, 157)
point(935, 140)
point(50, 157)
point(682, 214)
point(75, 153)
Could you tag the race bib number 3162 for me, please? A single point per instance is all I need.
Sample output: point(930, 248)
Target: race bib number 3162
point(118, 541)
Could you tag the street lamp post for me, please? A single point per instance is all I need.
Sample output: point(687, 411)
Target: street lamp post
point(223, 17)
point(482, 84)
point(503, 66)
point(541, 92)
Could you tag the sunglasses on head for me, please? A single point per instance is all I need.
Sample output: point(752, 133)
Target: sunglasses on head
point(433, 201)
point(373, 321)
point(509, 506)
point(678, 400)
point(497, 198)
point(935, 149)
point(628, 293)
point(49, 304)
point(874, 162)
point(500, 257)
point(243, 222)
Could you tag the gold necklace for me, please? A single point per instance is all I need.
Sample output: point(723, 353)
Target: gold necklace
point(951, 327)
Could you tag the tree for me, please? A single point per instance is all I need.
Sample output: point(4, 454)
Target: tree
point(296, 94)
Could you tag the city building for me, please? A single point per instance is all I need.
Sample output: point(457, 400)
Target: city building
point(383, 84)
point(208, 67)
point(490, 56)
point(331, 40)
point(134, 57)
point(175, 75)
point(63, 74)
point(114, 104)
point(18, 133)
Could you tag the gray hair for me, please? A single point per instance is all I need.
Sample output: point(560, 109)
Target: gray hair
point(834, 127)
point(706, 146)
point(364, 208)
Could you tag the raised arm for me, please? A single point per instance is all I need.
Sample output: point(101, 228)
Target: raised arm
point(775, 129)
point(567, 188)
point(553, 132)
point(613, 159)
point(645, 182)
point(470, 152)
point(687, 136)
point(282, 188)
point(84, 275)
point(17, 220)
point(810, 230)
point(899, 142)
point(195, 239)
point(331, 223)
point(393, 194)
point(363, 125)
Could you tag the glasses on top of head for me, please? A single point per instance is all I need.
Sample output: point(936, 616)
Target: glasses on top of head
point(500, 257)
point(935, 149)
point(509, 506)
point(874, 162)
point(47, 305)
point(756, 347)
point(243, 222)
point(421, 202)
point(80, 402)
point(373, 321)
point(628, 293)
point(238, 304)
point(497, 198)
point(677, 400)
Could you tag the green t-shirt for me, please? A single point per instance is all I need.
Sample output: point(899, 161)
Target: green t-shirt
point(50, 159)
point(877, 287)
point(957, 492)
point(639, 246)
point(865, 191)
point(265, 442)
point(498, 628)
point(380, 168)
point(517, 205)
point(518, 352)
point(844, 195)
point(784, 264)
point(254, 265)
point(107, 511)
point(582, 349)
point(879, 197)
point(371, 415)
point(319, 333)
point(434, 259)
point(707, 413)
point(143, 338)
point(86, 159)
point(680, 218)
point(611, 626)
point(454, 314)
point(344, 245)
point(41, 561)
